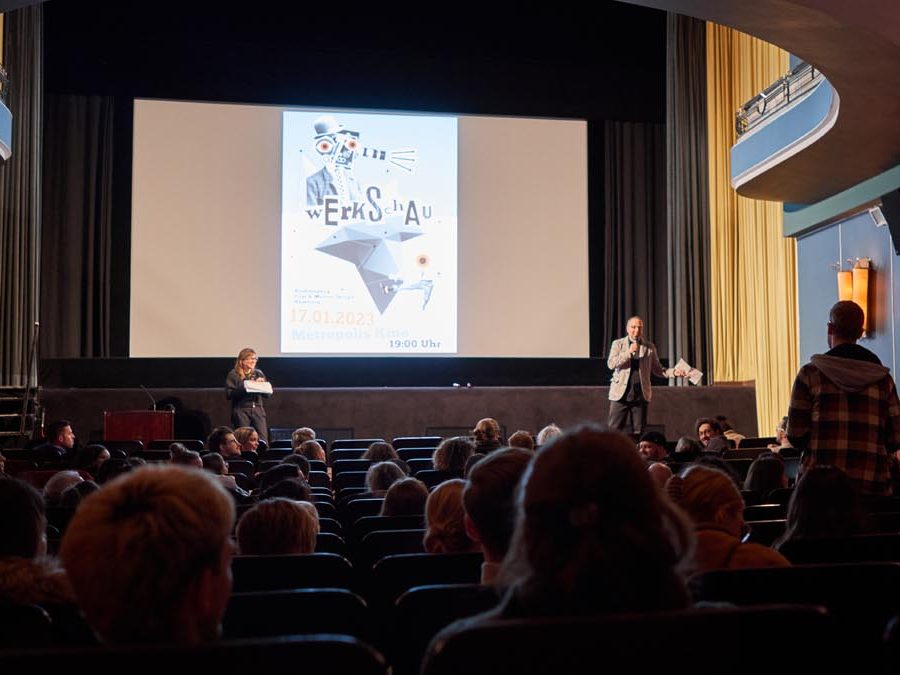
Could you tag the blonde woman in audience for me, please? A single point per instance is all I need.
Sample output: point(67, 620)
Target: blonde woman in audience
point(713, 503)
point(445, 520)
point(381, 476)
point(278, 527)
point(248, 438)
point(547, 434)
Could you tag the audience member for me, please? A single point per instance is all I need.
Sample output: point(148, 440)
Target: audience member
point(300, 461)
point(451, 455)
point(301, 435)
point(149, 556)
point(781, 439)
point(766, 473)
point(58, 482)
point(247, 438)
point(73, 495)
point(824, 504)
point(521, 439)
point(189, 458)
point(687, 450)
point(113, 468)
point(90, 457)
point(27, 576)
point(311, 450)
point(278, 527)
point(474, 458)
point(487, 435)
point(714, 461)
point(277, 473)
point(406, 497)
point(652, 446)
point(660, 473)
point(445, 527)
point(289, 488)
point(176, 448)
point(381, 476)
point(715, 506)
point(59, 445)
point(728, 431)
point(547, 434)
point(222, 440)
point(379, 451)
point(844, 408)
point(489, 503)
point(707, 428)
point(593, 535)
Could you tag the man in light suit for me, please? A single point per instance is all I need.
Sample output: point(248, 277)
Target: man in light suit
point(632, 360)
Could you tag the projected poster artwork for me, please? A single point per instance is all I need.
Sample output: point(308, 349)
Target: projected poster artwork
point(369, 239)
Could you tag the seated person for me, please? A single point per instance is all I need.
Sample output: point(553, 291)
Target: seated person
point(652, 447)
point(27, 575)
point(289, 488)
point(381, 476)
point(379, 451)
point(714, 504)
point(311, 450)
point(593, 535)
point(247, 438)
point(406, 497)
point(222, 440)
point(90, 457)
point(781, 439)
point(445, 525)
point(489, 504)
point(278, 527)
point(451, 455)
point(686, 450)
point(60, 443)
point(660, 473)
point(73, 495)
point(58, 483)
point(189, 458)
point(301, 462)
point(707, 429)
point(487, 435)
point(149, 556)
point(301, 435)
point(765, 474)
point(547, 434)
point(521, 439)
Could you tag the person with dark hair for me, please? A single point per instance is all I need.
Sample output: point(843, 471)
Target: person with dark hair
point(687, 449)
point(149, 556)
point(766, 473)
point(451, 455)
point(487, 435)
point(278, 526)
point(593, 535)
point(189, 458)
point(215, 463)
point(474, 458)
point(289, 488)
point(246, 406)
point(27, 575)
point(278, 472)
point(489, 503)
point(713, 461)
point(90, 457)
point(71, 497)
point(311, 450)
point(301, 462)
point(824, 504)
point(405, 497)
point(707, 428)
point(652, 447)
point(60, 442)
point(379, 451)
point(844, 408)
point(112, 468)
point(728, 431)
point(222, 440)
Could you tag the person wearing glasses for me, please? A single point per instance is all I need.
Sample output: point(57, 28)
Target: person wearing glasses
point(246, 406)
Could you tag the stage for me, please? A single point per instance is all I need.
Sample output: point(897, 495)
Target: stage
point(387, 412)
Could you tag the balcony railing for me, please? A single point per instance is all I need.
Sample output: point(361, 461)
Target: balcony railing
point(777, 96)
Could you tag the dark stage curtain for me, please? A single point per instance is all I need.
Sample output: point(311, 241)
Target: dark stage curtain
point(688, 194)
point(20, 194)
point(635, 246)
point(77, 226)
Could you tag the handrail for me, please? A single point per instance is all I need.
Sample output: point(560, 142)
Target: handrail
point(778, 95)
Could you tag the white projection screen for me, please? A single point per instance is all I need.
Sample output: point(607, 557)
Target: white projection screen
point(312, 232)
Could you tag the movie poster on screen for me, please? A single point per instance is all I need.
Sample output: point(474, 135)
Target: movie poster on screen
point(369, 239)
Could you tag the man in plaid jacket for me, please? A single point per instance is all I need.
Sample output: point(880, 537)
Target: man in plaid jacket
point(844, 408)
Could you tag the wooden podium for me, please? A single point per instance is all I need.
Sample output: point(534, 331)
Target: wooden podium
point(138, 425)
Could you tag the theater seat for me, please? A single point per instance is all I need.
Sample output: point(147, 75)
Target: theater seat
point(295, 612)
point(281, 572)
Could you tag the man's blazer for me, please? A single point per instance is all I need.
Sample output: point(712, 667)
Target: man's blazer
point(620, 363)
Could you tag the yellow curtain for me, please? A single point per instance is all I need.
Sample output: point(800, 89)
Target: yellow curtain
point(753, 266)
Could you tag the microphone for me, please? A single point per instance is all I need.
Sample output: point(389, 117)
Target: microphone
point(149, 395)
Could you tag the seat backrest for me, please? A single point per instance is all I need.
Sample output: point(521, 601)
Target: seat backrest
point(345, 443)
point(765, 532)
point(325, 654)
point(420, 464)
point(319, 479)
point(406, 454)
point(416, 442)
point(328, 542)
point(349, 479)
point(765, 512)
point(341, 465)
point(359, 508)
point(295, 612)
point(129, 447)
point(703, 640)
point(240, 466)
point(164, 443)
point(376, 545)
point(367, 524)
point(331, 526)
point(280, 572)
point(858, 548)
point(433, 478)
point(421, 612)
point(394, 575)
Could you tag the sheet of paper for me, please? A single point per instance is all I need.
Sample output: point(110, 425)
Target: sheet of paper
point(694, 376)
point(258, 386)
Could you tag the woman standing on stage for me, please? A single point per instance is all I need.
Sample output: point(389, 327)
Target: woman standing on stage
point(246, 406)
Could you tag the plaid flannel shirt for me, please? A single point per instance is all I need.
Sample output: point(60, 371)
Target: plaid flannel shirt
point(848, 414)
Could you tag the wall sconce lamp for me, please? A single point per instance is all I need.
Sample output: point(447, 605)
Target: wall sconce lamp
point(853, 284)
